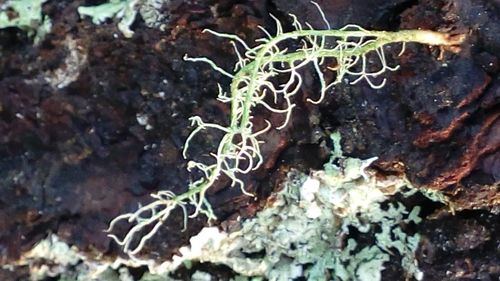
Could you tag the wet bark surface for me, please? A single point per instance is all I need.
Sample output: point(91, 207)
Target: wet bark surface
point(73, 155)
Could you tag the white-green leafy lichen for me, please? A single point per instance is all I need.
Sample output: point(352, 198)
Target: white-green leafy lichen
point(26, 15)
point(304, 233)
point(126, 11)
point(50, 257)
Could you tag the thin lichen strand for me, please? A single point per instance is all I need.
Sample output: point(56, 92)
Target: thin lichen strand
point(239, 149)
point(382, 38)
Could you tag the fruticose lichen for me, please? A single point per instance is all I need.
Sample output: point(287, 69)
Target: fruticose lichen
point(238, 151)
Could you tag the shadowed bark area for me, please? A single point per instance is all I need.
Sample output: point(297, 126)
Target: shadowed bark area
point(91, 123)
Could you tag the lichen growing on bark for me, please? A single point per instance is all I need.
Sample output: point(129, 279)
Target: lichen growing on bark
point(303, 233)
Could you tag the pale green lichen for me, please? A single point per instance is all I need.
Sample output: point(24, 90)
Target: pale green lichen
point(50, 257)
point(303, 233)
point(126, 11)
point(26, 15)
point(238, 151)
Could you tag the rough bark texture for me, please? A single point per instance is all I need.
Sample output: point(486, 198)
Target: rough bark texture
point(72, 157)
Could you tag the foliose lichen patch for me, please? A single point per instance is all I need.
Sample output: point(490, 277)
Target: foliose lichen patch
point(307, 230)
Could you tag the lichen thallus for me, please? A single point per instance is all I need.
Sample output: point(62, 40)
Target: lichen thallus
point(238, 151)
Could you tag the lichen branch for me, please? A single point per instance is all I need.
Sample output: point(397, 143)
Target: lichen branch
point(239, 149)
